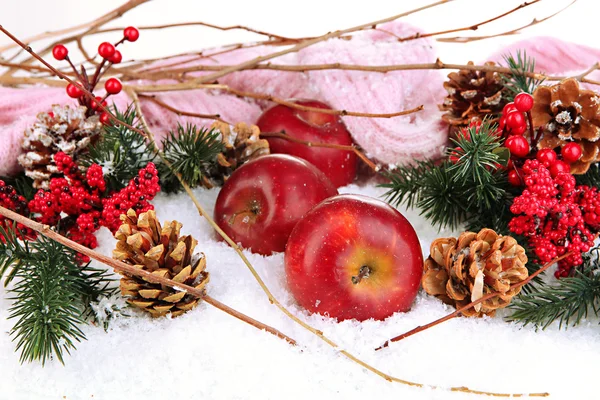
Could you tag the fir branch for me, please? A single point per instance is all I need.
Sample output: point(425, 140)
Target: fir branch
point(121, 151)
point(591, 177)
point(13, 253)
point(520, 79)
point(568, 301)
point(22, 184)
point(51, 296)
point(406, 183)
point(191, 152)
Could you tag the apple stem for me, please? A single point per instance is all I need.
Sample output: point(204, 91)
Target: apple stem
point(363, 273)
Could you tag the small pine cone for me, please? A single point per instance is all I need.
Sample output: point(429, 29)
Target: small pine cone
point(471, 96)
point(64, 130)
point(242, 143)
point(567, 114)
point(463, 270)
point(143, 243)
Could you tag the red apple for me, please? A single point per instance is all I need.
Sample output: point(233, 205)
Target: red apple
point(262, 201)
point(354, 257)
point(312, 126)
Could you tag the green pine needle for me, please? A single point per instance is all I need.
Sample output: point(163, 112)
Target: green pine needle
point(518, 81)
point(191, 152)
point(121, 151)
point(568, 301)
point(51, 295)
point(590, 178)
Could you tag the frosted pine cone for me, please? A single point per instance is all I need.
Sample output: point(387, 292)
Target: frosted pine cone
point(463, 270)
point(471, 96)
point(568, 114)
point(241, 143)
point(142, 242)
point(64, 130)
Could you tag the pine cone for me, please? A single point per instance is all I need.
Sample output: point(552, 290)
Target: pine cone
point(568, 114)
point(241, 144)
point(64, 129)
point(143, 243)
point(462, 270)
point(471, 96)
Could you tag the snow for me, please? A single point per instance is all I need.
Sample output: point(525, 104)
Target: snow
point(207, 354)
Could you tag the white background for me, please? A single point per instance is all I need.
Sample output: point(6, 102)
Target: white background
point(297, 19)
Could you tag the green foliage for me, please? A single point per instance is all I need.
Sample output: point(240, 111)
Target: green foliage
point(471, 189)
point(51, 295)
point(22, 184)
point(121, 151)
point(590, 178)
point(568, 301)
point(518, 81)
point(191, 152)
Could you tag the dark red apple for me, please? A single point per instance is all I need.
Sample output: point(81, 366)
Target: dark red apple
point(262, 201)
point(338, 165)
point(354, 257)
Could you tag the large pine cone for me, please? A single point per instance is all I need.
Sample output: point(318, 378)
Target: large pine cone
point(471, 96)
point(143, 243)
point(241, 143)
point(568, 114)
point(64, 129)
point(463, 270)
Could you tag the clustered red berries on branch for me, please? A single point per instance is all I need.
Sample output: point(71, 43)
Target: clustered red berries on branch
point(110, 56)
point(9, 198)
point(554, 215)
point(79, 205)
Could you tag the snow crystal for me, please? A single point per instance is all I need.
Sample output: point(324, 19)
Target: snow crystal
point(563, 117)
point(207, 354)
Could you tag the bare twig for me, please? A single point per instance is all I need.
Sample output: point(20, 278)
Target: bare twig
point(353, 149)
point(471, 27)
point(121, 267)
point(459, 312)
point(535, 21)
point(181, 112)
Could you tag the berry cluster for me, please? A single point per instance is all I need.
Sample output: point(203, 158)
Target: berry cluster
point(554, 215)
point(514, 125)
point(9, 198)
point(110, 56)
point(79, 204)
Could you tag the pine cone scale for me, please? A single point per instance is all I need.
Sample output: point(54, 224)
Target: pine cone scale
point(163, 252)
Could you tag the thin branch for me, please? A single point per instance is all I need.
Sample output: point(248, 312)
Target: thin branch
point(181, 112)
point(272, 299)
point(535, 21)
point(353, 149)
point(459, 312)
point(469, 28)
point(120, 266)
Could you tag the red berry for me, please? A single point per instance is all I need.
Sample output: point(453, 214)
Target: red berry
point(515, 120)
point(513, 178)
point(571, 152)
point(116, 58)
point(502, 122)
point(96, 103)
point(60, 52)
point(104, 118)
point(113, 86)
point(73, 91)
point(509, 108)
point(523, 102)
point(559, 167)
point(131, 33)
point(547, 157)
point(455, 155)
point(519, 130)
point(106, 50)
point(517, 145)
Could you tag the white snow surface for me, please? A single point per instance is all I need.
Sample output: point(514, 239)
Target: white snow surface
point(207, 354)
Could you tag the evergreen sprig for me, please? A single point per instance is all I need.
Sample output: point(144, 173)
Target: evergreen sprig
point(51, 295)
point(568, 301)
point(518, 81)
point(467, 189)
point(590, 178)
point(191, 152)
point(121, 151)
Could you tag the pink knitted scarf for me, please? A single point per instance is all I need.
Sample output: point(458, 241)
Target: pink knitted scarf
point(394, 140)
